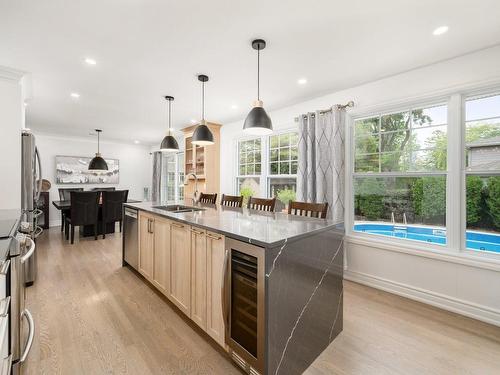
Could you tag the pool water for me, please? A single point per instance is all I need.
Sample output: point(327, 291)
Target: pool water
point(480, 241)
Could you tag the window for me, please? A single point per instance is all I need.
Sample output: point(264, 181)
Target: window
point(273, 160)
point(399, 177)
point(283, 154)
point(283, 163)
point(482, 173)
point(172, 177)
point(249, 167)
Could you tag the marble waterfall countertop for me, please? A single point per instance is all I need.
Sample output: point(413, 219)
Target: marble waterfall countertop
point(266, 229)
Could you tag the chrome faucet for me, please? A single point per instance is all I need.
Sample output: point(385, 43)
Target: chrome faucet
point(195, 194)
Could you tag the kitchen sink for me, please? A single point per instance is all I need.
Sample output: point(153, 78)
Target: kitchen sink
point(178, 208)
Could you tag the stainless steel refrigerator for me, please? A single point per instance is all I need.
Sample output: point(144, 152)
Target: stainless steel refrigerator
point(31, 184)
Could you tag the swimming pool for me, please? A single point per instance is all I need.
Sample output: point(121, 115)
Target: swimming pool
point(480, 241)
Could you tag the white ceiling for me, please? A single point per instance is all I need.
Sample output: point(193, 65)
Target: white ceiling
point(145, 49)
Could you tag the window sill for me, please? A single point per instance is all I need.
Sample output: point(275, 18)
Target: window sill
point(433, 252)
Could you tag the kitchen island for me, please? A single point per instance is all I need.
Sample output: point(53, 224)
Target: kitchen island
point(266, 286)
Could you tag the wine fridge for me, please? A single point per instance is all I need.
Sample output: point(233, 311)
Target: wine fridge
point(243, 304)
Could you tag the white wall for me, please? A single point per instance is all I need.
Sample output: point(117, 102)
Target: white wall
point(135, 164)
point(11, 123)
point(456, 282)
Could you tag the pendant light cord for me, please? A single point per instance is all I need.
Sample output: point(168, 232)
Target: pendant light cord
point(258, 74)
point(98, 142)
point(203, 100)
point(169, 117)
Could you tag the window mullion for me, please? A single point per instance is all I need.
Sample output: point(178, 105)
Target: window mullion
point(455, 184)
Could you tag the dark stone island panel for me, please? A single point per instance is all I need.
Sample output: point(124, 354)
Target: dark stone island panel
point(304, 300)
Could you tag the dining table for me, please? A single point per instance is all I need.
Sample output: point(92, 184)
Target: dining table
point(88, 230)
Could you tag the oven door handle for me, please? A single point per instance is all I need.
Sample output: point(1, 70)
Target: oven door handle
point(225, 314)
point(31, 335)
point(30, 252)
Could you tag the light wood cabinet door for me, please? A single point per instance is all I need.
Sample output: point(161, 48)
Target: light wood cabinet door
point(161, 258)
point(146, 244)
point(215, 264)
point(180, 266)
point(199, 277)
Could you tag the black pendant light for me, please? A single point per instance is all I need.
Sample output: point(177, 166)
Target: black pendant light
point(202, 135)
point(98, 164)
point(169, 143)
point(257, 121)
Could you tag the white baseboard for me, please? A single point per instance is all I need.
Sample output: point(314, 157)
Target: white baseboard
point(55, 223)
point(444, 302)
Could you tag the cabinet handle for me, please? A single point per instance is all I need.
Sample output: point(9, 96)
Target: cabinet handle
point(7, 365)
point(223, 292)
point(177, 225)
point(4, 307)
point(197, 231)
point(214, 237)
point(152, 226)
point(149, 225)
point(5, 267)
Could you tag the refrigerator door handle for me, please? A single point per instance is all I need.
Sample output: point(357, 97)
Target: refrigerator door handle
point(40, 178)
point(30, 252)
point(31, 335)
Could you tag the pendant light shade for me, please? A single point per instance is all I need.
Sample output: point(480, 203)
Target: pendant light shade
point(258, 122)
point(169, 143)
point(98, 164)
point(202, 136)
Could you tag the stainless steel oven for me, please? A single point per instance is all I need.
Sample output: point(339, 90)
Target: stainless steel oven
point(243, 291)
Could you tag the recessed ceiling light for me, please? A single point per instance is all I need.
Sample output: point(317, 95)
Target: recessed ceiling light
point(234, 106)
point(440, 30)
point(302, 81)
point(25, 104)
point(193, 121)
point(90, 61)
point(136, 142)
point(75, 95)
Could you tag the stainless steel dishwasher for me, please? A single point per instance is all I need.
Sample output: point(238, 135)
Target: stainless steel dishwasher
point(130, 238)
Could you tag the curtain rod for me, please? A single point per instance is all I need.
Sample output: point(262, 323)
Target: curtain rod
point(349, 104)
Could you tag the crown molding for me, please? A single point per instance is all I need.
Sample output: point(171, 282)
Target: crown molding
point(10, 74)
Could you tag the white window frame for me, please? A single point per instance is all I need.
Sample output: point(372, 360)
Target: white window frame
point(237, 163)
point(265, 171)
point(178, 168)
point(455, 248)
point(268, 164)
point(350, 163)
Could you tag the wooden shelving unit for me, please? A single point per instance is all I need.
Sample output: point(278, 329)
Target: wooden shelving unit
point(204, 161)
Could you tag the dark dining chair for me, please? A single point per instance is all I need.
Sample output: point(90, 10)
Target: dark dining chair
point(231, 200)
point(308, 209)
point(64, 195)
point(84, 211)
point(208, 198)
point(112, 206)
point(261, 204)
point(103, 189)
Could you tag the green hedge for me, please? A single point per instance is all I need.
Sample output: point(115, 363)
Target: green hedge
point(423, 200)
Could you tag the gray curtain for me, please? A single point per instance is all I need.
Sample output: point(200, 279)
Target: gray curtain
point(155, 190)
point(321, 169)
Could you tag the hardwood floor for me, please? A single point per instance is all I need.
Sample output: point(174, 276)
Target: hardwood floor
point(95, 317)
